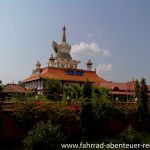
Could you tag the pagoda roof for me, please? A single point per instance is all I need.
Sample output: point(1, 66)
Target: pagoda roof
point(14, 88)
point(76, 75)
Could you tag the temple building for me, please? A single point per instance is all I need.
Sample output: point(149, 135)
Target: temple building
point(121, 91)
point(62, 67)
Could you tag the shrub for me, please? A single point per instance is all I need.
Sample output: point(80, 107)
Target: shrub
point(28, 114)
point(103, 109)
point(130, 136)
point(64, 118)
point(44, 136)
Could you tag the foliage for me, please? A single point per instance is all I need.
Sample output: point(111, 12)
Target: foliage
point(102, 107)
point(16, 97)
point(44, 136)
point(100, 92)
point(27, 114)
point(86, 116)
point(130, 136)
point(102, 103)
point(52, 89)
point(74, 91)
point(142, 95)
point(103, 111)
point(63, 117)
point(1, 89)
point(30, 95)
point(87, 90)
point(136, 89)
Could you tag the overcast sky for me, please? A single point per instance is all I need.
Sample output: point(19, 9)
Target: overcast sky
point(114, 34)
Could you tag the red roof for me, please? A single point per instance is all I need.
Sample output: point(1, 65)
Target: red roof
point(120, 88)
point(61, 74)
point(122, 93)
point(113, 86)
point(14, 88)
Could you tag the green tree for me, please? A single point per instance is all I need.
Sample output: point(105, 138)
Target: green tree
point(44, 136)
point(1, 88)
point(103, 110)
point(53, 89)
point(75, 90)
point(143, 111)
point(136, 89)
point(86, 118)
point(87, 90)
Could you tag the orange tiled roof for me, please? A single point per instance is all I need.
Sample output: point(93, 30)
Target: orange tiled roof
point(31, 78)
point(14, 88)
point(60, 74)
point(123, 88)
point(113, 85)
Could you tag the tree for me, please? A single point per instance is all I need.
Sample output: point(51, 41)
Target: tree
point(86, 117)
point(136, 89)
point(143, 111)
point(75, 90)
point(52, 89)
point(87, 90)
point(103, 110)
point(1, 88)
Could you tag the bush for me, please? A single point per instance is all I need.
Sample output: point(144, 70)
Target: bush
point(103, 110)
point(27, 114)
point(44, 136)
point(64, 118)
point(130, 136)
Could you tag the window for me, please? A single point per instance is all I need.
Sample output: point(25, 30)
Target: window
point(72, 72)
point(79, 73)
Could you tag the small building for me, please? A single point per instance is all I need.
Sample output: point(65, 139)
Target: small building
point(14, 88)
point(120, 91)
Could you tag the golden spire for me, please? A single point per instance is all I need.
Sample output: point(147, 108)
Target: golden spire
point(63, 38)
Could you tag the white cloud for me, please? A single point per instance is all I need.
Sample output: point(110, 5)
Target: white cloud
point(104, 68)
point(92, 48)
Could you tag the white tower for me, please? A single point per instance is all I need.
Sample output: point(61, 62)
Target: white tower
point(62, 50)
point(51, 61)
point(89, 65)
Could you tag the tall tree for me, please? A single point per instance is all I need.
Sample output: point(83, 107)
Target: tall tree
point(86, 117)
point(136, 89)
point(143, 111)
point(1, 88)
point(87, 90)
